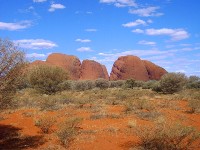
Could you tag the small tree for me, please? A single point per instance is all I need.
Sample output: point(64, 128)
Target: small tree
point(130, 83)
point(172, 82)
point(12, 61)
point(46, 78)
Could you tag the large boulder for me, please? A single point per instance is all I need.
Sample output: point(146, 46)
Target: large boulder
point(68, 62)
point(92, 70)
point(127, 67)
point(155, 72)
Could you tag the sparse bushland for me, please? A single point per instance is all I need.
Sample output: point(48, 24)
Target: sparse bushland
point(131, 83)
point(45, 123)
point(67, 130)
point(12, 63)
point(116, 84)
point(149, 84)
point(172, 82)
point(46, 78)
point(102, 83)
point(193, 82)
point(164, 135)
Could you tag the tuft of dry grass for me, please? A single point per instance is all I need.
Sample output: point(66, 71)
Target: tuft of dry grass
point(45, 123)
point(165, 135)
point(67, 130)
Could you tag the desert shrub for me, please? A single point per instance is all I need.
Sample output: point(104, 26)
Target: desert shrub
point(172, 82)
point(149, 84)
point(194, 104)
point(116, 84)
point(67, 130)
point(46, 78)
point(142, 104)
point(194, 101)
point(193, 82)
point(156, 87)
point(83, 85)
point(66, 85)
point(48, 103)
point(45, 123)
point(130, 83)
point(102, 83)
point(165, 135)
point(12, 63)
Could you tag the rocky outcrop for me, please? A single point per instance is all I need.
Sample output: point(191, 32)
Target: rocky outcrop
point(127, 67)
point(92, 70)
point(68, 62)
point(155, 72)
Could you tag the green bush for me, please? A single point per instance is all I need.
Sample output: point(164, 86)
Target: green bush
point(193, 82)
point(172, 82)
point(116, 84)
point(102, 83)
point(66, 85)
point(149, 84)
point(83, 85)
point(46, 78)
point(130, 83)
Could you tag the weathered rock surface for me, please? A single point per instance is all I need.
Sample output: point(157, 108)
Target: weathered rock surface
point(68, 62)
point(155, 72)
point(92, 70)
point(127, 67)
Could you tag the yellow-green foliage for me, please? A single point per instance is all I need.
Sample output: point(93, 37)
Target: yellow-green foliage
point(46, 78)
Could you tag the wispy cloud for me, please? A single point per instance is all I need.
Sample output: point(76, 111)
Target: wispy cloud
point(175, 34)
point(83, 40)
point(91, 30)
point(120, 3)
point(35, 44)
point(39, 1)
point(146, 12)
point(15, 26)
point(36, 55)
point(53, 7)
point(135, 23)
point(143, 42)
point(84, 49)
point(138, 31)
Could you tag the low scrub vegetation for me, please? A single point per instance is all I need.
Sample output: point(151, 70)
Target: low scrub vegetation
point(45, 123)
point(167, 136)
point(46, 78)
point(67, 130)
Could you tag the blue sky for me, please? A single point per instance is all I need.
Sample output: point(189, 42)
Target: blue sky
point(166, 32)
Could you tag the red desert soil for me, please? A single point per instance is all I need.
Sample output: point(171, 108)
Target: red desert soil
point(107, 133)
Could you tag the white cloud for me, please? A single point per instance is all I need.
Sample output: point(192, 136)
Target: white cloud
point(35, 44)
point(146, 12)
point(39, 1)
point(135, 23)
point(36, 55)
point(90, 30)
point(138, 31)
point(83, 40)
point(143, 42)
point(15, 26)
point(120, 3)
point(53, 7)
point(175, 34)
point(84, 49)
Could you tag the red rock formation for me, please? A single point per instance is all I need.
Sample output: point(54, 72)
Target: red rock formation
point(155, 72)
point(127, 67)
point(92, 70)
point(69, 63)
